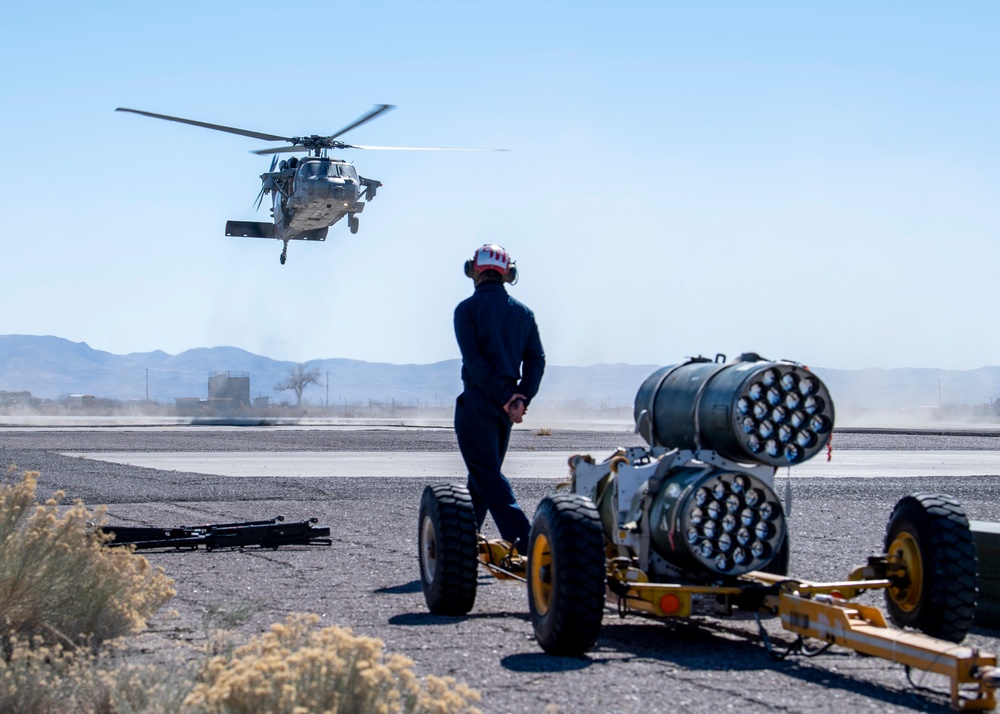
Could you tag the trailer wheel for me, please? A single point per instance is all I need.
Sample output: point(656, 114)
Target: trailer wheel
point(448, 549)
point(930, 533)
point(566, 574)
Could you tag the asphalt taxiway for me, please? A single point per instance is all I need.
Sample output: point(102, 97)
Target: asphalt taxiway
point(365, 483)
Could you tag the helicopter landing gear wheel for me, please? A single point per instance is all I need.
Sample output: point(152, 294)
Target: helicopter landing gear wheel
point(929, 533)
point(354, 222)
point(284, 253)
point(566, 574)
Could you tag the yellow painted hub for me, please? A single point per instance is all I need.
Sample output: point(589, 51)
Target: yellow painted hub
point(906, 549)
point(540, 566)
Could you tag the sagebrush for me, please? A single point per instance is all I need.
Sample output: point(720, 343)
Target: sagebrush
point(295, 668)
point(59, 583)
point(67, 601)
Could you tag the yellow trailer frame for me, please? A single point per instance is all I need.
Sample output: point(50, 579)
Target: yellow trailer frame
point(809, 609)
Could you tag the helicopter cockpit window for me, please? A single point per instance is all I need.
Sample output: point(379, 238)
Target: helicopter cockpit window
point(348, 171)
point(317, 169)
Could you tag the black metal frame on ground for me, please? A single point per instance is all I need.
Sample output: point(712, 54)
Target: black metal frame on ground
point(266, 534)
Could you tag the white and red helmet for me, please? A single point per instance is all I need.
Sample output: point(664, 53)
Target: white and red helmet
point(492, 257)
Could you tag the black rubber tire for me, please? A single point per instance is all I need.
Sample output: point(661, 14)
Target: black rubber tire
point(566, 574)
point(448, 548)
point(943, 603)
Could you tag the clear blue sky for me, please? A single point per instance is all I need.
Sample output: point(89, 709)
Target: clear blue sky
point(817, 183)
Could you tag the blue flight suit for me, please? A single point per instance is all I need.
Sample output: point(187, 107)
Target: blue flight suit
point(497, 335)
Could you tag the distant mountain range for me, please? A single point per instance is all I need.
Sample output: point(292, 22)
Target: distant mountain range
point(52, 367)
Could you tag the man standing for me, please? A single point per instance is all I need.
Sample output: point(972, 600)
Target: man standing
point(502, 365)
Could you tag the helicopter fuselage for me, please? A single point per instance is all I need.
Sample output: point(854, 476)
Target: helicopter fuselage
point(311, 194)
point(308, 196)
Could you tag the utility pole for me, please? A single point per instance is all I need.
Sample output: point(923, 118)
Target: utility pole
point(327, 390)
point(147, 385)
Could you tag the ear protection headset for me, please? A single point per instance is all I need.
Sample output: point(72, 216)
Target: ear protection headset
point(509, 275)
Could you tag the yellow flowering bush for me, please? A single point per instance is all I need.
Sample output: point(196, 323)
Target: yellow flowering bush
point(59, 583)
point(36, 679)
point(66, 600)
point(296, 669)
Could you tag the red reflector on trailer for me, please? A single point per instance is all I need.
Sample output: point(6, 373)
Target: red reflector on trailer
point(670, 603)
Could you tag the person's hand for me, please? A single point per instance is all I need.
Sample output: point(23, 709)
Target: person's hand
point(516, 408)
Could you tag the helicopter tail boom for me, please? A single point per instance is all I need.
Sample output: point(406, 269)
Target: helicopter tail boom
point(252, 229)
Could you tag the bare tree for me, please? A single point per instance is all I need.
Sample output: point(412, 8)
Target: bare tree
point(299, 377)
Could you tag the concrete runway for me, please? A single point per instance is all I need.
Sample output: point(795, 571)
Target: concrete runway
point(365, 483)
point(546, 466)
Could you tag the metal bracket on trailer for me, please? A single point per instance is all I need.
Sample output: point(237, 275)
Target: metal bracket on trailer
point(864, 629)
point(497, 557)
point(809, 610)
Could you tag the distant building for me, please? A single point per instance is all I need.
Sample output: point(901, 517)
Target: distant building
point(12, 399)
point(80, 400)
point(233, 387)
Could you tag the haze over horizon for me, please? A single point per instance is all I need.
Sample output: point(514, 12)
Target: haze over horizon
point(711, 355)
point(809, 183)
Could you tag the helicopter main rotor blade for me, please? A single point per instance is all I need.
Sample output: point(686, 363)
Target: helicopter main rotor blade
point(206, 125)
point(416, 148)
point(279, 150)
point(300, 148)
point(379, 108)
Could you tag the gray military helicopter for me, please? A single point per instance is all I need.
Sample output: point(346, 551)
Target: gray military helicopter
point(311, 193)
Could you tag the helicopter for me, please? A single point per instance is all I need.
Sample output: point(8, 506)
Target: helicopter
point(311, 193)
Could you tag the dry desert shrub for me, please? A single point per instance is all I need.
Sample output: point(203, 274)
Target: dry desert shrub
point(296, 668)
point(65, 597)
point(137, 689)
point(59, 584)
point(37, 679)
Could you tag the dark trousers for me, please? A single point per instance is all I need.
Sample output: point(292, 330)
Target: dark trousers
point(483, 432)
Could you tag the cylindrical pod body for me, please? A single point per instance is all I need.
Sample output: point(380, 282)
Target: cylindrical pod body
point(717, 520)
point(772, 413)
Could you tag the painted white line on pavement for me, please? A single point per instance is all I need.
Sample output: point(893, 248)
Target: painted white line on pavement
point(311, 464)
point(533, 465)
